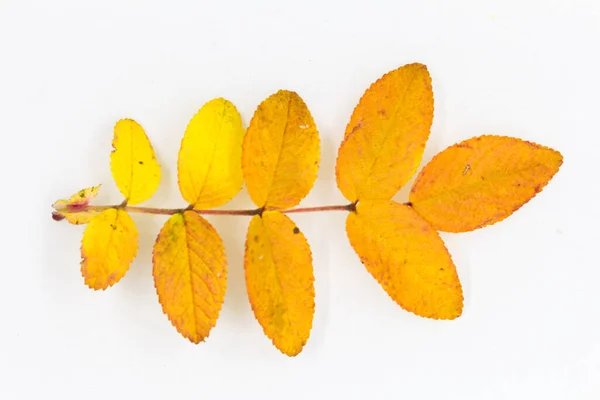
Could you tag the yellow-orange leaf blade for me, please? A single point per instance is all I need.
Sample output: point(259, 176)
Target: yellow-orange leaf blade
point(133, 163)
point(280, 280)
point(280, 156)
point(190, 274)
point(74, 209)
point(481, 181)
point(210, 157)
point(75, 218)
point(386, 135)
point(407, 257)
point(109, 245)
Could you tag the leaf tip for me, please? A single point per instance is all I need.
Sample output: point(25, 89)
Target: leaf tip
point(417, 66)
point(292, 352)
point(286, 92)
point(193, 338)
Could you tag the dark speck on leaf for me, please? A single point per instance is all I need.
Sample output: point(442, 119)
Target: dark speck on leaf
point(256, 238)
point(113, 226)
point(296, 230)
point(141, 162)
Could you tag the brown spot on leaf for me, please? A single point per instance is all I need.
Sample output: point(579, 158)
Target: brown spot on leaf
point(296, 230)
point(356, 127)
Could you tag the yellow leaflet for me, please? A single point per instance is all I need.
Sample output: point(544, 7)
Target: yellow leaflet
point(72, 209)
point(210, 157)
point(132, 162)
point(190, 274)
point(280, 280)
point(386, 135)
point(481, 181)
point(407, 257)
point(280, 157)
point(109, 245)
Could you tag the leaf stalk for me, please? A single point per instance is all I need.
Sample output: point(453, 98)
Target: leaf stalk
point(248, 212)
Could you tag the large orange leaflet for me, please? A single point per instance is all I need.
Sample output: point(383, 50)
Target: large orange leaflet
point(407, 257)
point(385, 138)
point(279, 279)
point(280, 157)
point(481, 181)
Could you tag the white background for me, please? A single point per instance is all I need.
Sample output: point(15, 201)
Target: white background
point(70, 69)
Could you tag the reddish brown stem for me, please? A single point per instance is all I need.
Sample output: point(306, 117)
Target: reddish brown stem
point(348, 207)
point(171, 211)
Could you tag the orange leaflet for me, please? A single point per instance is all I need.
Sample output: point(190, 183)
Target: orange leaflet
point(190, 274)
point(109, 245)
point(280, 155)
point(407, 257)
point(481, 181)
point(386, 135)
point(279, 279)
